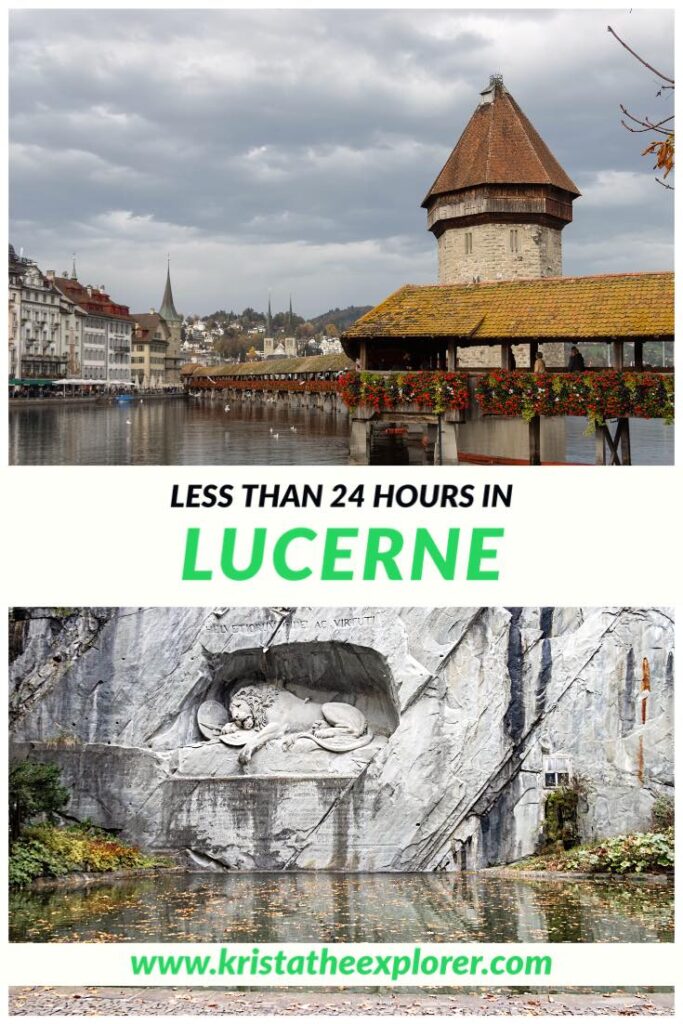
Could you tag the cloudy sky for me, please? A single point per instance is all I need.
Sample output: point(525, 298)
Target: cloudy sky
point(291, 149)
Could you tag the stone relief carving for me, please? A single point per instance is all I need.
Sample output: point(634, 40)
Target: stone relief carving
point(259, 714)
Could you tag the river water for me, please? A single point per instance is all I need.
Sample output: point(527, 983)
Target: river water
point(175, 432)
point(193, 432)
point(323, 907)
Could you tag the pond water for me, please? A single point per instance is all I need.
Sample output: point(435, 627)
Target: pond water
point(180, 432)
point(324, 907)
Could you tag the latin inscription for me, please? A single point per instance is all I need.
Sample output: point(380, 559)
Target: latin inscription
point(256, 627)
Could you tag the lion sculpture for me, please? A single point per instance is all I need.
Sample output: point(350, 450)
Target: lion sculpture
point(259, 714)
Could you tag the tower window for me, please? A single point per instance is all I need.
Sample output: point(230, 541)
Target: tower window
point(514, 240)
point(468, 243)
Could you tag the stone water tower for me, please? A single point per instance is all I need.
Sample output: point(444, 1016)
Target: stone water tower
point(498, 206)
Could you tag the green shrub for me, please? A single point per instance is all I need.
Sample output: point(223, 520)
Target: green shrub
point(638, 852)
point(30, 858)
point(663, 813)
point(561, 817)
point(44, 850)
point(34, 788)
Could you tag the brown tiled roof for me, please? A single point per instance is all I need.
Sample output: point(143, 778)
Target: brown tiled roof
point(146, 326)
point(500, 146)
point(147, 320)
point(98, 303)
point(607, 306)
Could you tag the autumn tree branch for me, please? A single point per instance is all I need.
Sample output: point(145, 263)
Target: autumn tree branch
point(665, 78)
point(663, 149)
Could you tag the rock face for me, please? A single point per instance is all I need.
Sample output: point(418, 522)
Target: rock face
point(469, 717)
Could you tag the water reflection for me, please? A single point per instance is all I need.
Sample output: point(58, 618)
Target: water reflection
point(177, 432)
point(319, 907)
point(652, 442)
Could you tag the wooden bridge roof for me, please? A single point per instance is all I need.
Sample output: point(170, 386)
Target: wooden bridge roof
point(608, 306)
point(265, 367)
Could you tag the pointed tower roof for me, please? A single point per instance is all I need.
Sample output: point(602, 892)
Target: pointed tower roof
point(167, 309)
point(499, 146)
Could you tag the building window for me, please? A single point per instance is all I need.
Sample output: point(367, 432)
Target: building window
point(468, 243)
point(556, 771)
point(514, 240)
point(554, 779)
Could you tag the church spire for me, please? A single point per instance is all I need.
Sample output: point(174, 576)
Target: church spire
point(167, 309)
point(291, 318)
point(269, 319)
point(74, 276)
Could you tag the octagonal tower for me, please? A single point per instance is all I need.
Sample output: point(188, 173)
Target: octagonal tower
point(499, 204)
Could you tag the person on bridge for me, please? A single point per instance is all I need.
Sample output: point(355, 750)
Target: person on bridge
point(539, 365)
point(576, 363)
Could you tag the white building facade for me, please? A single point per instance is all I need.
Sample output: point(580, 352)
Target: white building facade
point(36, 341)
point(106, 332)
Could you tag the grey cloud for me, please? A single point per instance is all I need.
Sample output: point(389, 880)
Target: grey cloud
point(269, 147)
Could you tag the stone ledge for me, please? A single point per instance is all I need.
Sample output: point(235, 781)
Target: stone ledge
point(568, 876)
point(79, 879)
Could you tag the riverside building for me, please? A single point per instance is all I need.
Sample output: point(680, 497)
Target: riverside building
point(44, 326)
point(106, 332)
point(156, 357)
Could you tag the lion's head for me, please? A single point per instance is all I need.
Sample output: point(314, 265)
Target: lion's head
point(248, 706)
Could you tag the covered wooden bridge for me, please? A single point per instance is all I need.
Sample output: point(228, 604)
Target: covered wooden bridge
point(505, 325)
point(309, 368)
point(297, 381)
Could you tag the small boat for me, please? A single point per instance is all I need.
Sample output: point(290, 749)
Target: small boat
point(124, 398)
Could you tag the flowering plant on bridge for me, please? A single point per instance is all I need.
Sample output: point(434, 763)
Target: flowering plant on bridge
point(435, 390)
point(599, 395)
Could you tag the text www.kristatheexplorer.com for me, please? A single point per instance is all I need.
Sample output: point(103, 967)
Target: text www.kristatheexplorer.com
point(323, 963)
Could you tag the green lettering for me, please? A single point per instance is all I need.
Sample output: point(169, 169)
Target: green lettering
point(478, 553)
point(190, 572)
point(228, 554)
point(373, 555)
point(332, 552)
point(425, 544)
point(296, 965)
point(280, 553)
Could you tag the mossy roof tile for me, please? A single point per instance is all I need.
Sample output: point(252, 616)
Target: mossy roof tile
point(301, 364)
point(606, 306)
